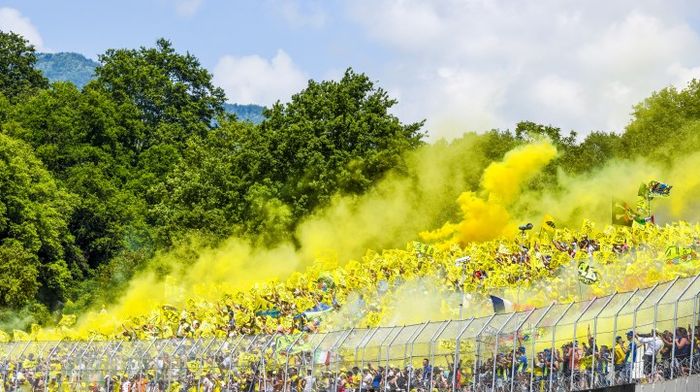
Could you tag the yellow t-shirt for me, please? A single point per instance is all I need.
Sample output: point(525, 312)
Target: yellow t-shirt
point(619, 354)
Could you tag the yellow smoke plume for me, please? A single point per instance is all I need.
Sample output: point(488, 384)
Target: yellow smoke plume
point(485, 215)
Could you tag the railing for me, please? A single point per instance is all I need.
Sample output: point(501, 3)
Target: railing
point(561, 347)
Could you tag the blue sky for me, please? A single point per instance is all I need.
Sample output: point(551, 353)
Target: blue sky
point(461, 64)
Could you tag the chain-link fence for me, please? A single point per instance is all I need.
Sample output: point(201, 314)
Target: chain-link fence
point(647, 335)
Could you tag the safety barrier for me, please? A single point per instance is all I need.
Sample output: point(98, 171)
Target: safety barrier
point(561, 347)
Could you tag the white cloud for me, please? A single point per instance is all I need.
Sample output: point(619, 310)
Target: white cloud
point(187, 7)
point(480, 64)
point(301, 13)
point(12, 20)
point(253, 79)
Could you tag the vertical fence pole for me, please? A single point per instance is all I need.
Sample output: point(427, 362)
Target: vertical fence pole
point(575, 340)
point(109, 365)
point(288, 352)
point(175, 354)
point(334, 355)
point(201, 363)
point(364, 351)
point(516, 344)
point(692, 339)
point(675, 322)
point(388, 349)
point(634, 324)
point(456, 368)
point(595, 338)
point(410, 357)
point(431, 347)
point(554, 336)
point(231, 359)
point(48, 365)
point(477, 353)
point(533, 349)
point(617, 314)
point(656, 311)
point(495, 351)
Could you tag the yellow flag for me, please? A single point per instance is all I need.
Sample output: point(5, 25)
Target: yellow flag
point(548, 224)
point(20, 336)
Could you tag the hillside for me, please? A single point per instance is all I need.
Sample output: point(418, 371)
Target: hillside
point(71, 67)
point(78, 69)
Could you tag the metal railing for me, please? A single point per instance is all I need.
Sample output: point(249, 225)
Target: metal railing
point(561, 347)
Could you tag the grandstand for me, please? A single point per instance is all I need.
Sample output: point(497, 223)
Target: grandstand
point(560, 347)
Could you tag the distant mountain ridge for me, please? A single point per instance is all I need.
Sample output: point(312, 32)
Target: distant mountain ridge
point(65, 66)
point(79, 70)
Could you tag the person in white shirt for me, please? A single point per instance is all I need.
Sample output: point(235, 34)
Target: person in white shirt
point(309, 381)
point(652, 345)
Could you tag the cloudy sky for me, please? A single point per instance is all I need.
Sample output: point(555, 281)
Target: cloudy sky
point(460, 64)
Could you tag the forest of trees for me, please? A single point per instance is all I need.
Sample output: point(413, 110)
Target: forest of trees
point(95, 180)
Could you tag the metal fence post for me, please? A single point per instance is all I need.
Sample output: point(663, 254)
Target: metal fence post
point(634, 324)
point(595, 338)
point(431, 352)
point(388, 350)
point(617, 314)
point(675, 322)
point(109, 364)
point(551, 354)
point(364, 350)
point(575, 340)
point(656, 311)
point(201, 363)
point(333, 350)
point(456, 366)
point(48, 364)
point(477, 353)
point(286, 365)
point(516, 344)
point(692, 340)
point(495, 351)
point(533, 354)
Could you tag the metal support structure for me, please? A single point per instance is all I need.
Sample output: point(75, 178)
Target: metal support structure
point(554, 336)
point(634, 322)
point(617, 314)
point(675, 323)
point(456, 366)
point(88, 363)
point(388, 350)
point(653, 329)
point(431, 352)
point(516, 344)
point(364, 351)
point(574, 338)
point(534, 338)
point(288, 352)
point(692, 336)
point(595, 338)
point(476, 353)
point(410, 356)
point(495, 350)
point(109, 363)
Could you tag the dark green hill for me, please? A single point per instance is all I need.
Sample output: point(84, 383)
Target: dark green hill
point(78, 69)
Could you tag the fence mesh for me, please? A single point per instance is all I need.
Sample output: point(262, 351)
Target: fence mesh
point(645, 336)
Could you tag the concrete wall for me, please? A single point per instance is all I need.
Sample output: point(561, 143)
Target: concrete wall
point(684, 384)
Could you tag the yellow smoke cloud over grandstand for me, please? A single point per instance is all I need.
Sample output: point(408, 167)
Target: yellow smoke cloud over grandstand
point(460, 203)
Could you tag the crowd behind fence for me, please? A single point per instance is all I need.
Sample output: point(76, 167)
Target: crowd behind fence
point(647, 335)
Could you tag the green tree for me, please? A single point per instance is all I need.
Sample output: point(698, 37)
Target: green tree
point(665, 124)
point(17, 73)
point(173, 93)
point(335, 137)
point(36, 247)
